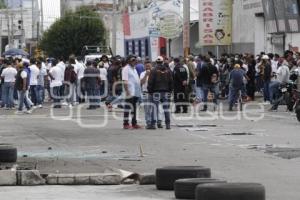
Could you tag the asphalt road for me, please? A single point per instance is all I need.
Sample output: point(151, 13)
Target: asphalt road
point(256, 146)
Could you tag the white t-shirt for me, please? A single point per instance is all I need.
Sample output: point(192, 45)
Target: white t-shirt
point(103, 74)
point(145, 85)
point(283, 74)
point(56, 73)
point(34, 73)
point(130, 75)
point(9, 74)
point(79, 69)
point(62, 66)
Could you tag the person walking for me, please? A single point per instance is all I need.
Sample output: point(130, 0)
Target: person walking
point(8, 77)
point(160, 87)
point(132, 89)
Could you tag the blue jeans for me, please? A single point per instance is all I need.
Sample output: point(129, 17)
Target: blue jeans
point(233, 95)
point(8, 94)
point(199, 94)
point(23, 100)
point(149, 108)
point(274, 90)
point(40, 94)
point(163, 98)
point(209, 88)
point(266, 91)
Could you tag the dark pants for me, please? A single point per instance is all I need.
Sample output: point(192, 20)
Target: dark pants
point(234, 95)
point(92, 95)
point(130, 106)
point(56, 92)
point(181, 101)
point(267, 90)
point(33, 94)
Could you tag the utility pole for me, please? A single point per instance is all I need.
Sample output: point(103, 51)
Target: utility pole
point(8, 27)
point(42, 17)
point(186, 27)
point(114, 28)
point(1, 35)
point(33, 18)
point(22, 24)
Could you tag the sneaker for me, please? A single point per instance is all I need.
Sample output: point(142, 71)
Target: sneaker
point(70, 106)
point(64, 104)
point(28, 111)
point(127, 127)
point(19, 112)
point(267, 103)
point(40, 106)
point(136, 127)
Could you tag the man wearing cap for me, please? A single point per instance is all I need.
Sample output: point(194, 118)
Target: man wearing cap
point(132, 89)
point(160, 87)
point(266, 70)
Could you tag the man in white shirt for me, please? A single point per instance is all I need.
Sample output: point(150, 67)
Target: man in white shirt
point(56, 75)
point(34, 73)
point(79, 69)
point(8, 75)
point(132, 89)
point(283, 77)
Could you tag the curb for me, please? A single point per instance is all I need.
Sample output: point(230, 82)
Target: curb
point(34, 178)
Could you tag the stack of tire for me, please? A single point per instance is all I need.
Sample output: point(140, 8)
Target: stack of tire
point(8, 153)
point(195, 182)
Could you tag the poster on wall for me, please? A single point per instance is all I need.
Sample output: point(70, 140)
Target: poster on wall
point(215, 22)
point(165, 18)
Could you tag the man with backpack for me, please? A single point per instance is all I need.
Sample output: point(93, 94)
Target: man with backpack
point(160, 87)
point(70, 77)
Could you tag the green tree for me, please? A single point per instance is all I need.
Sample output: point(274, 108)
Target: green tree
point(2, 4)
point(72, 32)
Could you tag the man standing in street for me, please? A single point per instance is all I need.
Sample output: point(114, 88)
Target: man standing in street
point(34, 73)
point(180, 75)
point(132, 89)
point(92, 81)
point(22, 85)
point(8, 77)
point(160, 87)
point(41, 84)
point(210, 76)
point(56, 75)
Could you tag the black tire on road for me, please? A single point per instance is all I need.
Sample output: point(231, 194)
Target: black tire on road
point(230, 191)
point(185, 188)
point(289, 101)
point(166, 177)
point(8, 153)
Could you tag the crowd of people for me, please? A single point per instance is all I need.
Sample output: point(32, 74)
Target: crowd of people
point(132, 81)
